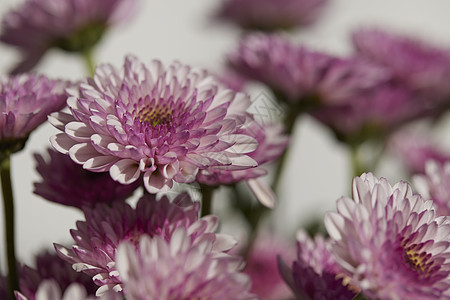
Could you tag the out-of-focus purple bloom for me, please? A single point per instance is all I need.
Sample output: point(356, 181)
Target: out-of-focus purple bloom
point(415, 149)
point(413, 62)
point(271, 144)
point(50, 290)
point(390, 242)
point(72, 25)
point(374, 114)
point(25, 102)
point(315, 274)
point(435, 185)
point(186, 265)
point(233, 80)
point(106, 227)
point(262, 267)
point(67, 183)
point(164, 123)
point(51, 267)
point(270, 15)
point(300, 76)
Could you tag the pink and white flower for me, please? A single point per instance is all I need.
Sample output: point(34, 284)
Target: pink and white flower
point(164, 123)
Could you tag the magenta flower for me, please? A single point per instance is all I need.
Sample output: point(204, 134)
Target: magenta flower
point(300, 76)
point(67, 183)
point(390, 242)
point(106, 227)
point(51, 267)
point(72, 25)
point(413, 62)
point(435, 185)
point(164, 123)
point(414, 149)
point(187, 265)
point(270, 15)
point(373, 115)
point(262, 267)
point(315, 273)
point(25, 102)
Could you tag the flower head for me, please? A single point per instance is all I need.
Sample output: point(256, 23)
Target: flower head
point(181, 267)
point(414, 149)
point(51, 267)
point(413, 62)
point(270, 15)
point(375, 114)
point(301, 76)
point(72, 25)
point(390, 242)
point(67, 183)
point(435, 185)
point(106, 227)
point(315, 273)
point(25, 102)
point(164, 123)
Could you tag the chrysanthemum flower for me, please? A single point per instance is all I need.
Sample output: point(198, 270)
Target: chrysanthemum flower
point(71, 25)
point(181, 266)
point(412, 61)
point(375, 114)
point(270, 15)
point(67, 183)
point(51, 267)
point(164, 123)
point(301, 76)
point(106, 227)
point(414, 149)
point(435, 185)
point(315, 273)
point(50, 290)
point(262, 267)
point(390, 242)
point(25, 102)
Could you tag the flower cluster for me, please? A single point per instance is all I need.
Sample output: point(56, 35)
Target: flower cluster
point(184, 130)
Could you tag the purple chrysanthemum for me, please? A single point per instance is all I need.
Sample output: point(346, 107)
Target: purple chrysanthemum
point(106, 227)
point(270, 15)
point(414, 149)
point(435, 184)
point(50, 290)
point(186, 265)
point(166, 123)
point(315, 273)
point(413, 62)
point(72, 25)
point(25, 102)
point(51, 267)
point(390, 242)
point(67, 183)
point(301, 76)
point(374, 114)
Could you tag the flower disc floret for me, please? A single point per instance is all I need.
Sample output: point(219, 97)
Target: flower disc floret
point(164, 123)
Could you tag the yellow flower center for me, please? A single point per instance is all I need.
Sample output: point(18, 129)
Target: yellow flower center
point(155, 115)
point(418, 261)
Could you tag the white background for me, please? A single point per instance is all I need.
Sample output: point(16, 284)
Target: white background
point(318, 171)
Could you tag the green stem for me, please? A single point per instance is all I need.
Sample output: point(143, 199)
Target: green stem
point(289, 124)
point(207, 195)
point(360, 296)
point(89, 61)
point(8, 203)
point(357, 165)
